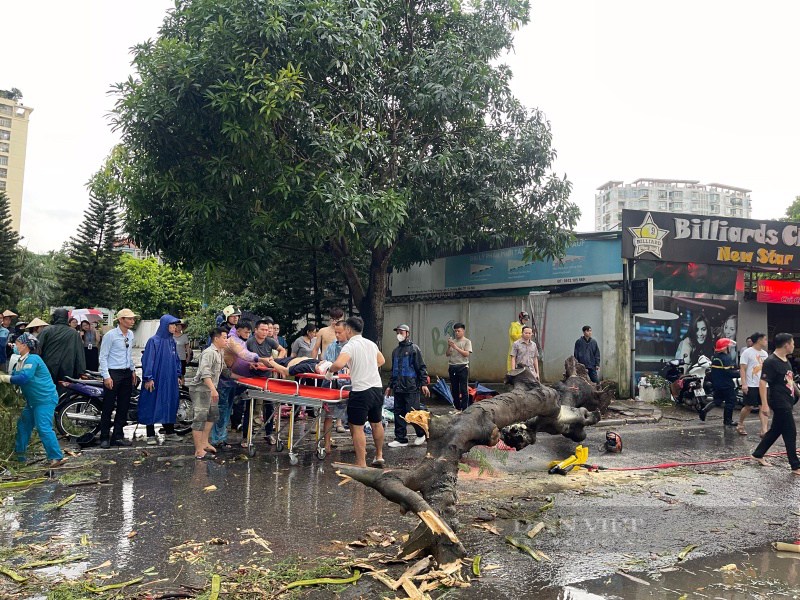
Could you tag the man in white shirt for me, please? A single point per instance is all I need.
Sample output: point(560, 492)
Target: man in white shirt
point(365, 403)
point(750, 363)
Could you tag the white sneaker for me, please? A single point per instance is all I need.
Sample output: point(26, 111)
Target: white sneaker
point(173, 437)
point(396, 444)
point(152, 440)
point(421, 439)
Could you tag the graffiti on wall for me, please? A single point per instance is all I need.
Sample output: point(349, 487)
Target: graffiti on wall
point(439, 337)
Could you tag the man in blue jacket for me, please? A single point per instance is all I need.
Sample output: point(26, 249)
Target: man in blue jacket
point(587, 353)
point(409, 377)
point(723, 372)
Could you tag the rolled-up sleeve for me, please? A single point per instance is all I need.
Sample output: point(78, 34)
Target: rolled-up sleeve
point(204, 368)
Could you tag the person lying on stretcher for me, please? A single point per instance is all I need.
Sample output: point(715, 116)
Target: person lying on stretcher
point(297, 365)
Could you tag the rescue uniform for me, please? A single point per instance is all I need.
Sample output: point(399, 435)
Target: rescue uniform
point(723, 372)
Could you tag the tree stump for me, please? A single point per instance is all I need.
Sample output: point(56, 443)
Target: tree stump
point(429, 489)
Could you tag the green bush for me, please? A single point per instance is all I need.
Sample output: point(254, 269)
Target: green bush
point(11, 403)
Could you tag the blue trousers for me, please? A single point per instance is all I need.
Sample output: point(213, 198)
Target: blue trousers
point(41, 417)
point(219, 432)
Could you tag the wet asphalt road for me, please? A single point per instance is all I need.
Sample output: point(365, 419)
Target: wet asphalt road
point(599, 523)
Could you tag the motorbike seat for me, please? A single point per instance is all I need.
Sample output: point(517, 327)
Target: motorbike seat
point(94, 382)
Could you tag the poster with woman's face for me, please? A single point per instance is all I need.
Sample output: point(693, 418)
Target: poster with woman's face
point(684, 328)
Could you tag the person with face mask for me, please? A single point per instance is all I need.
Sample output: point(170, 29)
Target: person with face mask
point(409, 377)
point(33, 378)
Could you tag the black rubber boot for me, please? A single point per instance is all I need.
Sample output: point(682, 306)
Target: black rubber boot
point(727, 417)
point(704, 411)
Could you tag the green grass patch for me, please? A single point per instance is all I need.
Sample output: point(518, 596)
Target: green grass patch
point(256, 580)
point(73, 590)
point(78, 475)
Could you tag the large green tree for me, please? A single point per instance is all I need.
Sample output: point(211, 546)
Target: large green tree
point(793, 211)
point(152, 289)
point(377, 130)
point(88, 278)
point(9, 239)
point(35, 282)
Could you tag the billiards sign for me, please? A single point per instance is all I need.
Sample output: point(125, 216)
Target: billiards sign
point(711, 240)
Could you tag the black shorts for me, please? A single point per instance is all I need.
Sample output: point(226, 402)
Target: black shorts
point(365, 406)
point(752, 397)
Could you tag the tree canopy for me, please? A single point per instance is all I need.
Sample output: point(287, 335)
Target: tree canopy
point(12, 94)
point(793, 211)
point(8, 254)
point(89, 276)
point(152, 289)
point(373, 129)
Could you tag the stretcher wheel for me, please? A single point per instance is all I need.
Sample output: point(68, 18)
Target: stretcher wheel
point(251, 450)
point(293, 459)
point(279, 445)
point(320, 453)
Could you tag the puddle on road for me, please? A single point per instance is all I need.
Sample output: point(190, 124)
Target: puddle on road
point(147, 509)
point(760, 574)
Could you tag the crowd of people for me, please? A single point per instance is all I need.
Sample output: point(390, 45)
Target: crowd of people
point(48, 353)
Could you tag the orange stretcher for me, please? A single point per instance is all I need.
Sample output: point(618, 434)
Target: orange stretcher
point(284, 392)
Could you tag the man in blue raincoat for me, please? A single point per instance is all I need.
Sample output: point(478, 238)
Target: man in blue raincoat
point(161, 376)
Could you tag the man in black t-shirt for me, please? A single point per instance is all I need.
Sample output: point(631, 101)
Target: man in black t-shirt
point(776, 372)
point(263, 344)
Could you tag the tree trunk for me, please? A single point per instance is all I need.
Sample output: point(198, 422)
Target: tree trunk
point(371, 306)
point(429, 489)
point(315, 282)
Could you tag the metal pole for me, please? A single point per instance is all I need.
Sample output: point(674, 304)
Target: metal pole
point(631, 275)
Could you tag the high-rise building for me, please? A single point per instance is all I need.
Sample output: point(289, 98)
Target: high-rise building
point(13, 144)
point(668, 195)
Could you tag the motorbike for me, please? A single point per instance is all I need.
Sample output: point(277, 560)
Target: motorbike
point(687, 388)
point(80, 407)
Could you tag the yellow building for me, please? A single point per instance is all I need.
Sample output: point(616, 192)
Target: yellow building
point(13, 143)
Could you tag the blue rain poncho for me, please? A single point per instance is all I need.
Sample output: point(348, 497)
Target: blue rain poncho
point(161, 365)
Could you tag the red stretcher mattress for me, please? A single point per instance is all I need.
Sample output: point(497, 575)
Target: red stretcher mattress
point(279, 386)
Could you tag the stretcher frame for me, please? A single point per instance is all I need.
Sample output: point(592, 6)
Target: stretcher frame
point(293, 400)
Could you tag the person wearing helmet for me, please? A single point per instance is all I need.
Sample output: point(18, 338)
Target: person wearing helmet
point(409, 378)
point(723, 372)
point(514, 333)
point(231, 314)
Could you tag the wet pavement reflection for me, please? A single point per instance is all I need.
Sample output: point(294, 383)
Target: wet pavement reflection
point(159, 498)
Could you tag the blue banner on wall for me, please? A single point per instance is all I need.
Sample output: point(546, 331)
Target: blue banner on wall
point(588, 261)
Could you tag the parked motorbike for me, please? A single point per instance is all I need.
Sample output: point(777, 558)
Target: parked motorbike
point(687, 388)
point(80, 407)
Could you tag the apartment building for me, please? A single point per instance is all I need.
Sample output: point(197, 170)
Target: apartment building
point(667, 195)
point(14, 119)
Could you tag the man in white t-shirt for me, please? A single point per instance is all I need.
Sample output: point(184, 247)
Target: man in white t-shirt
point(750, 369)
point(363, 359)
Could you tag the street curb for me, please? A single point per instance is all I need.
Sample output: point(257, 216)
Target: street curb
point(655, 418)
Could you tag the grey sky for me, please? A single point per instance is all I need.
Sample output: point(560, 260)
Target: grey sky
point(687, 90)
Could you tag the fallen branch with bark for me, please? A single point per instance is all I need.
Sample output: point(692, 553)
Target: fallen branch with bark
point(429, 489)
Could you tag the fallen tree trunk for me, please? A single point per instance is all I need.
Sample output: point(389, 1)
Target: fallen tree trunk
point(429, 489)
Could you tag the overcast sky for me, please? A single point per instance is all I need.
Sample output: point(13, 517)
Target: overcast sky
point(692, 90)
